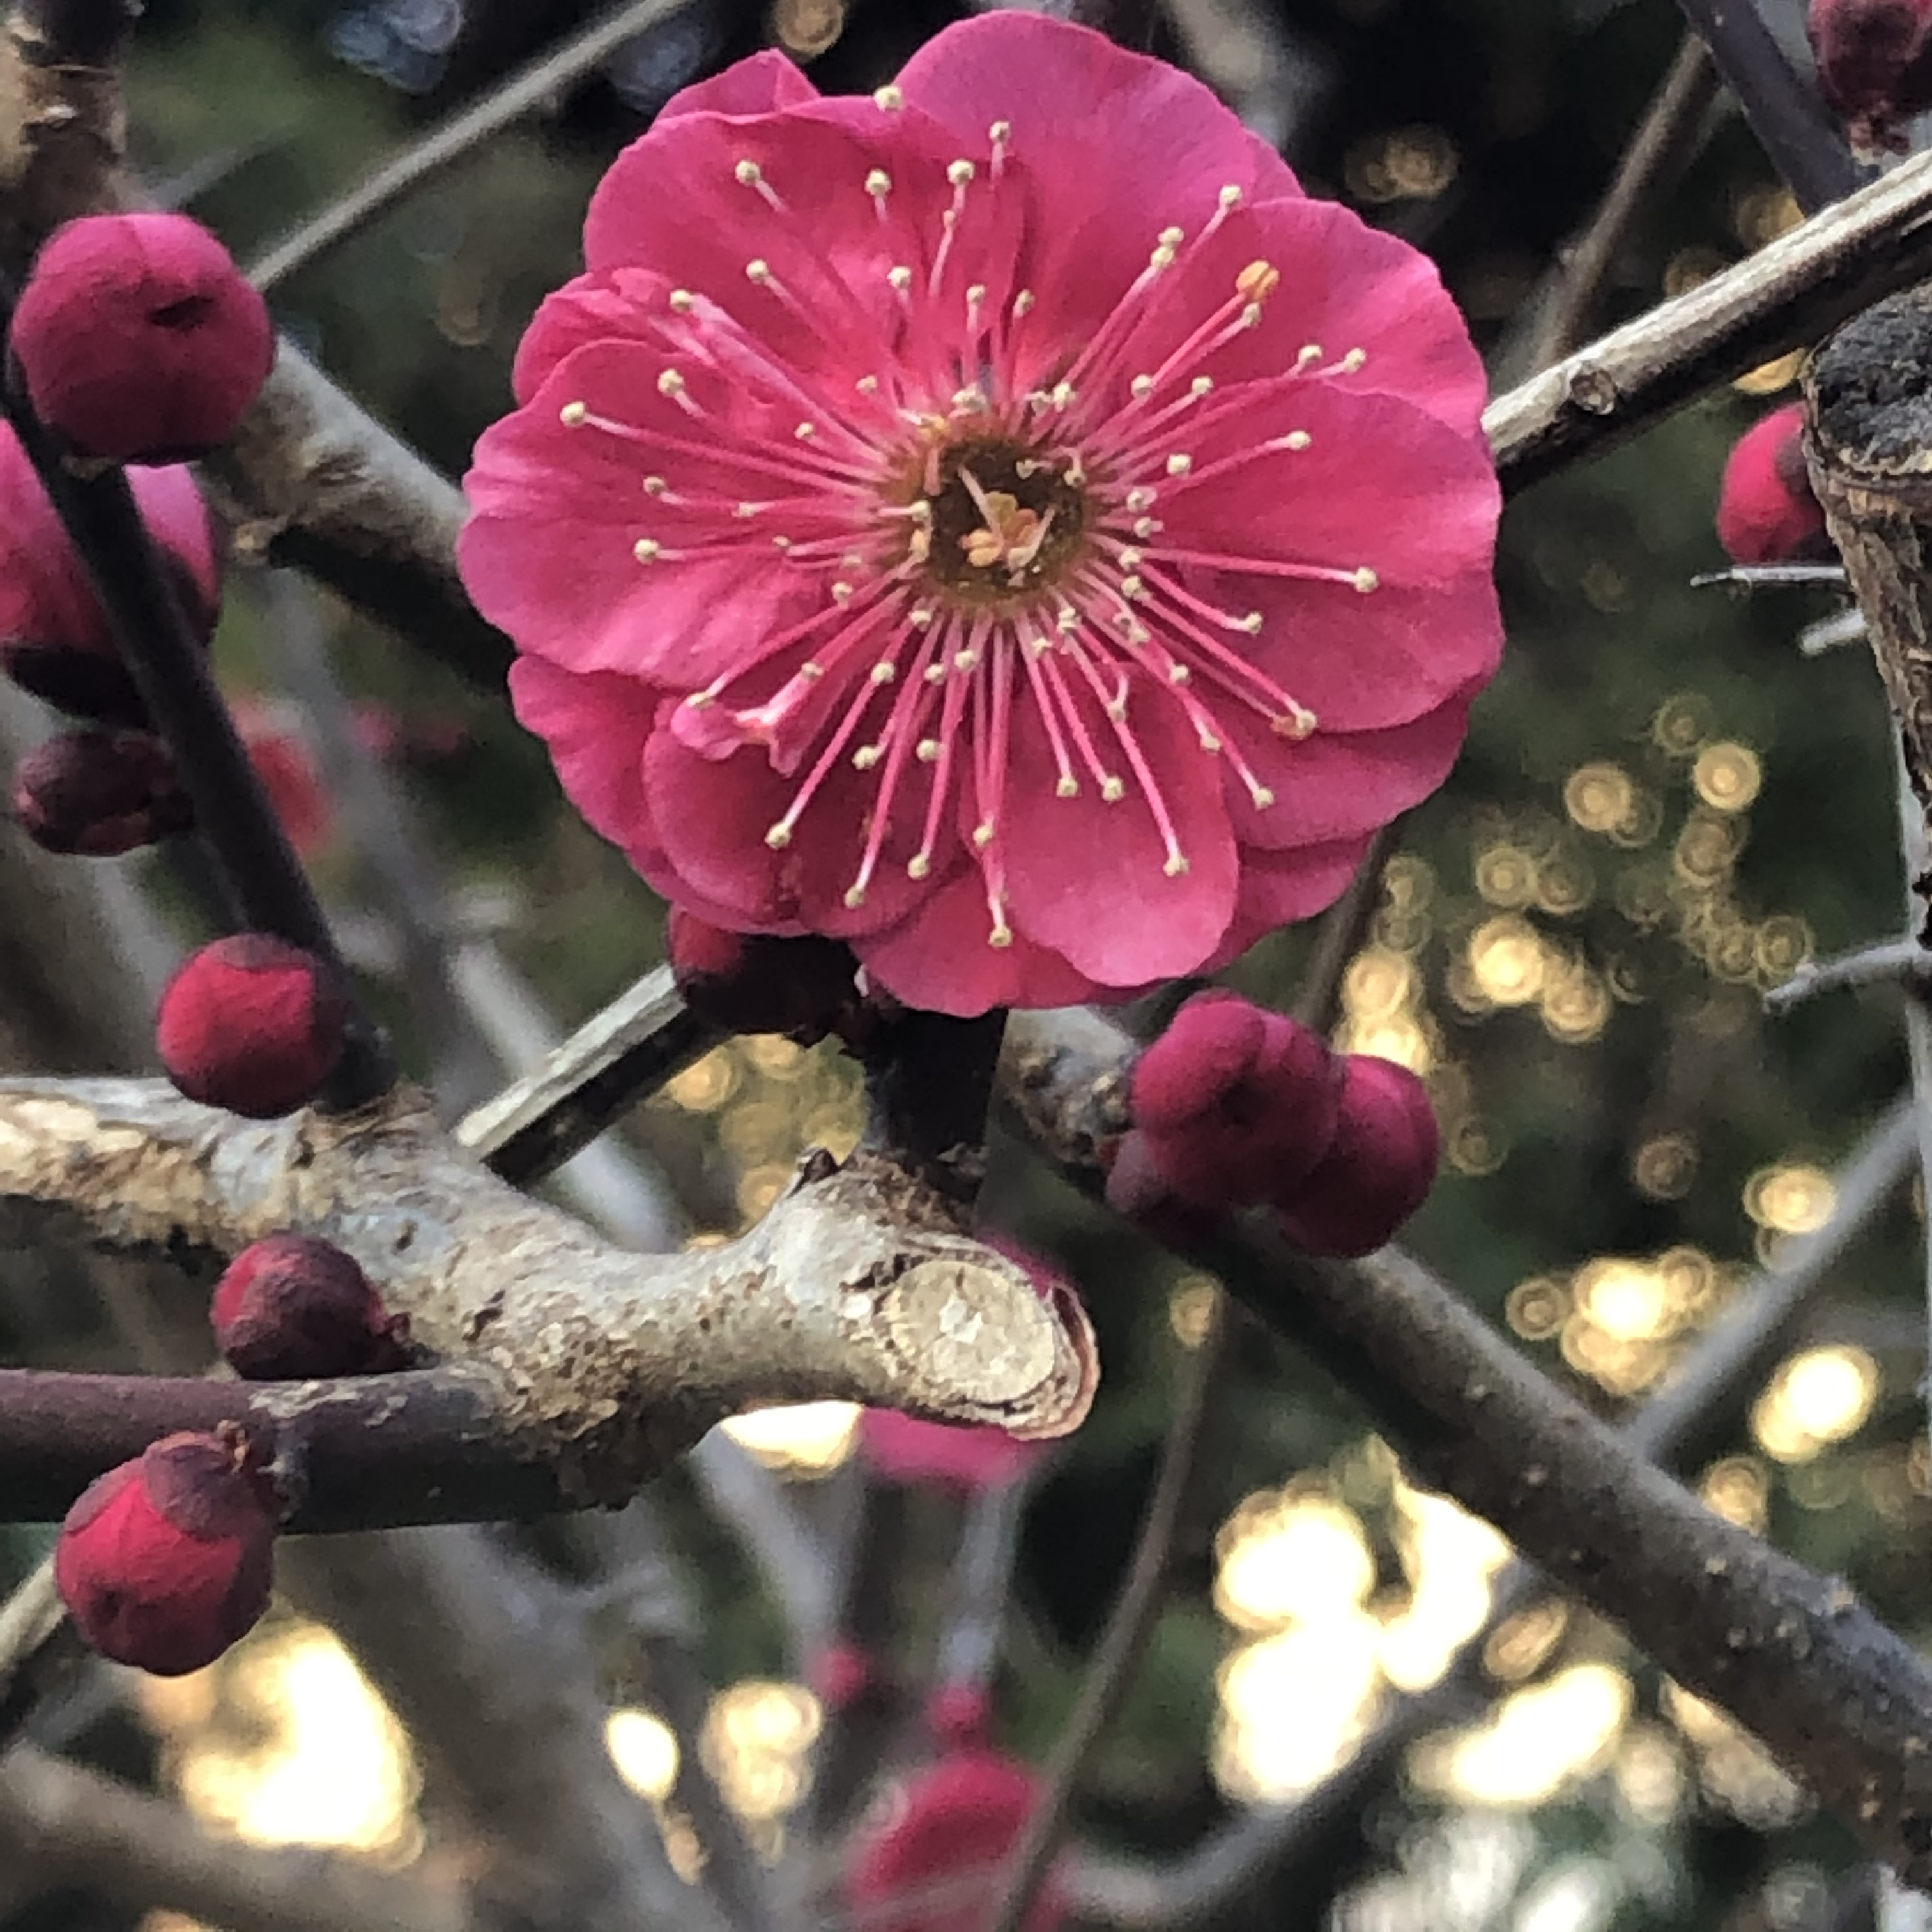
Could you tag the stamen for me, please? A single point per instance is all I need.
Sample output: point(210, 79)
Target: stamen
point(888, 97)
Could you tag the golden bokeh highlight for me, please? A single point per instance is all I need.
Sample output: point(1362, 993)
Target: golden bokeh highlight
point(1507, 960)
point(1619, 1319)
point(1768, 378)
point(805, 1438)
point(1283, 1558)
point(1536, 1743)
point(756, 1742)
point(806, 28)
point(1414, 163)
point(1190, 1309)
point(283, 1742)
point(1734, 1770)
point(1817, 1397)
point(1727, 777)
point(1738, 1488)
point(644, 1749)
point(1599, 796)
point(1537, 1308)
point(1664, 1167)
point(1792, 1198)
point(1681, 724)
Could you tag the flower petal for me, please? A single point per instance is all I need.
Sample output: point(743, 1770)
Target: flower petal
point(1278, 888)
point(1337, 784)
point(1088, 878)
point(596, 728)
point(938, 958)
point(713, 814)
point(762, 84)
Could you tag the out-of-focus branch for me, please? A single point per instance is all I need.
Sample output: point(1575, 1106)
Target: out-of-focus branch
point(461, 134)
point(1656, 152)
point(1805, 145)
point(599, 1364)
point(1901, 961)
point(66, 1824)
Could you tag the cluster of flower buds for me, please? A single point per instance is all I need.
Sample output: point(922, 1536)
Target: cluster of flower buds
point(99, 794)
point(1766, 511)
point(252, 1024)
point(1236, 1107)
point(166, 1561)
point(747, 983)
point(1874, 66)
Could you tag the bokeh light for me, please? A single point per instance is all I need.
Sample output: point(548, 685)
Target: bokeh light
point(644, 1749)
point(805, 1439)
point(1817, 1397)
point(756, 1742)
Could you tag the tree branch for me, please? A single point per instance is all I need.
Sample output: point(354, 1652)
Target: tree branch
point(599, 1364)
point(66, 1824)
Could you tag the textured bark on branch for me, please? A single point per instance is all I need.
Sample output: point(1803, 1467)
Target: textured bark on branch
point(599, 1365)
point(1869, 451)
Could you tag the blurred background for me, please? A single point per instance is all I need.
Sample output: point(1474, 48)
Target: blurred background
point(1665, 809)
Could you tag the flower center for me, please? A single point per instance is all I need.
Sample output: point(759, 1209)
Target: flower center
point(1005, 523)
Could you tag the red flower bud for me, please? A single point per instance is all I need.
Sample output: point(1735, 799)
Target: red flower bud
point(936, 1866)
point(251, 1023)
point(745, 983)
point(286, 767)
point(98, 794)
point(1235, 1104)
point(138, 339)
point(166, 1561)
point(54, 638)
point(960, 1714)
point(1874, 66)
point(1766, 513)
point(1379, 1171)
point(291, 1307)
point(841, 1673)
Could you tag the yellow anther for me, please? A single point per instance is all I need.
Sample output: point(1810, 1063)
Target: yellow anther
point(749, 173)
point(1172, 238)
point(571, 414)
point(884, 671)
point(918, 866)
point(1309, 352)
point(1175, 866)
point(1200, 386)
point(919, 618)
point(1061, 395)
point(1297, 439)
point(841, 593)
point(982, 836)
point(999, 132)
point(900, 276)
point(654, 486)
point(855, 897)
point(1365, 579)
point(1230, 197)
point(779, 837)
point(1251, 623)
point(1261, 795)
point(1179, 464)
point(1067, 788)
point(1142, 387)
point(645, 549)
point(1179, 673)
point(670, 383)
point(960, 173)
point(888, 97)
point(1354, 360)
point(927, 751)
point(1147, 527)
point(867, 756)
point(810, 672)
point(867, 385)
point(805, 432)
point(1258, 281)
point(1000, 937)
point(1022, 302)
point(1129, 558)
point(758, 270)
point(878, 183)
point(1140, 499)
point(933, 673)
point(1112, 789)
point(682, 301)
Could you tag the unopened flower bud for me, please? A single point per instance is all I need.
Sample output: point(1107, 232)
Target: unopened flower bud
point(292, 1307)
point(54, 638)
point(1874, 66)
point(1233, 1103)
point(1380, 1168)
point(252, 1024)
point(960, 1715)
point(1766, 511)
point(99, 794)
point(166, 1561)
point(747, 983)
point(842, 1673)
point(138, 339)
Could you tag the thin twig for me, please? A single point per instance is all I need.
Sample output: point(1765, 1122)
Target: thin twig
point(1805, 145)
point(1657, 150)
point(1904, 961)
point(524, 92)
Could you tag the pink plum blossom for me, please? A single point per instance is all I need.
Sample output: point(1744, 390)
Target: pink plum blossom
point(1001, 522)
